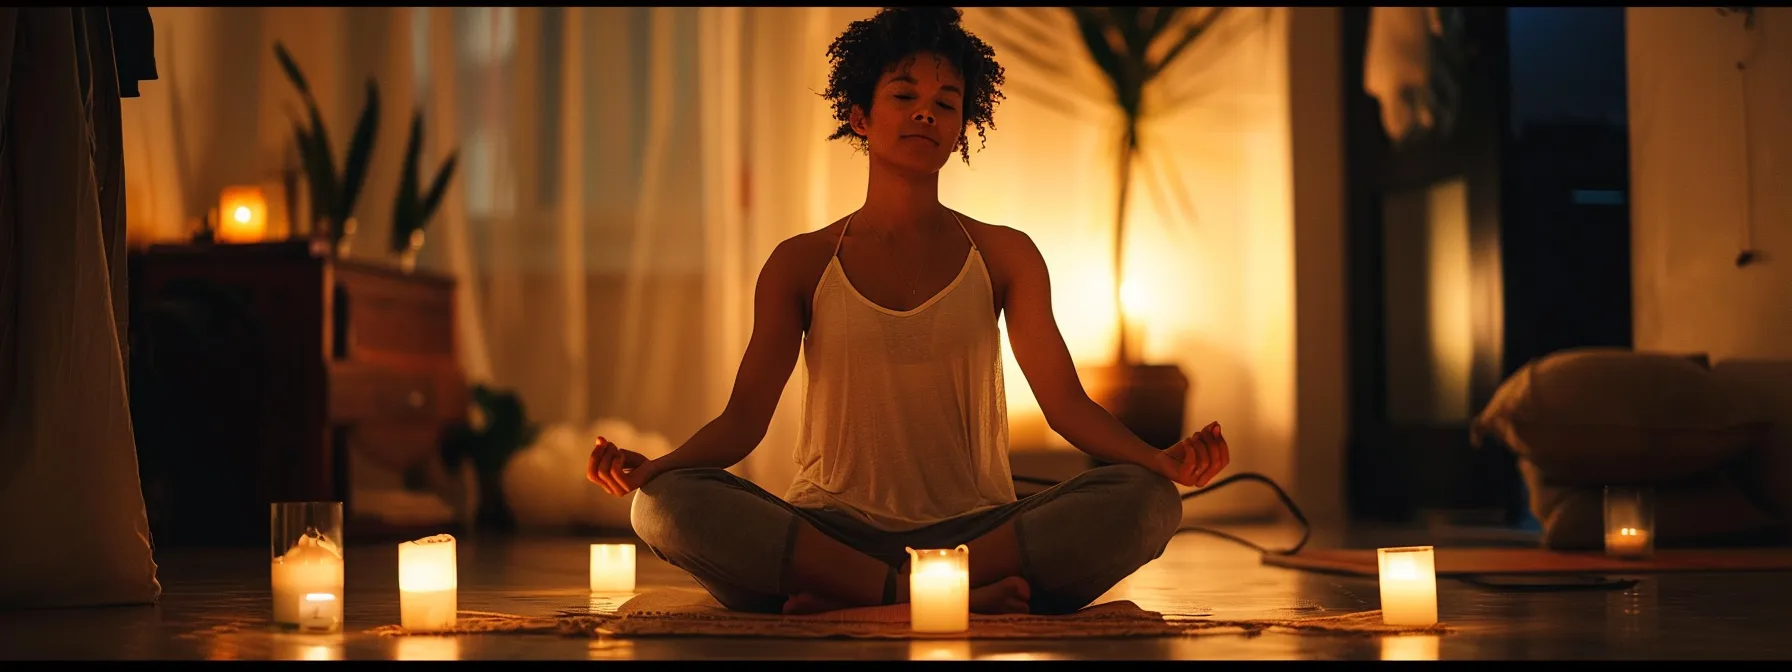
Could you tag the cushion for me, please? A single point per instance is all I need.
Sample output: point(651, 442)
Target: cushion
point(1599, 416)
point(1713, 510)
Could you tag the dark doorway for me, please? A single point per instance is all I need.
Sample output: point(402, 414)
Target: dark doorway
point(1473, 252)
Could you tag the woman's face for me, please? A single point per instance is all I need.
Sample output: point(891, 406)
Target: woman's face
point(916, 114)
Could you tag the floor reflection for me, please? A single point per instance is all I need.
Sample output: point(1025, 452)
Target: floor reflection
point(423, 647)
point(1410, 647)
point(939, 649)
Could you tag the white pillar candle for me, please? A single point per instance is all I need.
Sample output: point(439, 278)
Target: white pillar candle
point(428, 583)
point(307, 586)
point(1408, 586)
point(1629, 523)
point(939, 589)
point(612, 568)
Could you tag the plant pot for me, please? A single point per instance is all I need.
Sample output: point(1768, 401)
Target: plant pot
point(407, 257)
point(344, 238)
point(1149, 399)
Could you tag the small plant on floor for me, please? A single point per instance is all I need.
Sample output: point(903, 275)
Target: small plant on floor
point(495, 429)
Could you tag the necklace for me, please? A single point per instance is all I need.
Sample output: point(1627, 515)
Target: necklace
point(889, 244)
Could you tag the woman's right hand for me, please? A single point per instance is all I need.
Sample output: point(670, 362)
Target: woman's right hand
point(616, 470)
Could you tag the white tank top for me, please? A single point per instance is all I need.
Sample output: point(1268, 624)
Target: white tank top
point(904, 419)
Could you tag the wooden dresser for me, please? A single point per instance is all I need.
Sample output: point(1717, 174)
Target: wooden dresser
point(257, 370)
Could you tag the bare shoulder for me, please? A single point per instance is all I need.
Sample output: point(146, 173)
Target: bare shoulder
point(798, 261)
point(1004, 246)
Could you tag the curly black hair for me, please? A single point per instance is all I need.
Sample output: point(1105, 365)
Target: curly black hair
point(868, 48)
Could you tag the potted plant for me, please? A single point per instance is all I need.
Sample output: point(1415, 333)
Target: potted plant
point(333, 194)
point(495, 429)
point(412, 208)
point(1150, 399)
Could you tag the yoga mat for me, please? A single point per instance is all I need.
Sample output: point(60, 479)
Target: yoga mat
point(1488, 561)
point(691, 613)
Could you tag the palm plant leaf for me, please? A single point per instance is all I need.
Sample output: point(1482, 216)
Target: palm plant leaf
point(360, 152)
point(1189, 36)
point(292, 69)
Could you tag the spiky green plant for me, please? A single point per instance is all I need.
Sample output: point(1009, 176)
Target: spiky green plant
point(412, 208)
point(333, 194)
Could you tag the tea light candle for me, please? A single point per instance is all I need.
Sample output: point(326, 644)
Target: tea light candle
point(1629, 523)
point(428, 583)
point(1408, 586)
point(242, 215)
point(308, 585)
point(612, 568)
point(939, 589)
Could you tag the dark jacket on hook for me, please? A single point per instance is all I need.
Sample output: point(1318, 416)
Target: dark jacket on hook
point(133, 46)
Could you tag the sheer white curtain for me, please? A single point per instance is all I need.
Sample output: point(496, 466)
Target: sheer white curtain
point(626, 172)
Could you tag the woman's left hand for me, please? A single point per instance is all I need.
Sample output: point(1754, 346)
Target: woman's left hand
point(1194, 461)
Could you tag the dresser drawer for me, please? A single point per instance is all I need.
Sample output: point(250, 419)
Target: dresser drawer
point(385, 317)
point(369, 392)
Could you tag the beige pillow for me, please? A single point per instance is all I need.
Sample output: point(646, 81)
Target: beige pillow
point(1601, 416)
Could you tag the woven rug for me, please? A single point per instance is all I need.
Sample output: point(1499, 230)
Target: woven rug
point(693, 613)
point(1493, 561)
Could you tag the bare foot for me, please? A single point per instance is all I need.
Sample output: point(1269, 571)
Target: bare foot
point(1007, 596)
point(810, 603)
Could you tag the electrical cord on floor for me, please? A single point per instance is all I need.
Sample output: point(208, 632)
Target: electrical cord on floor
point(1502, 582)
point(1306, 530)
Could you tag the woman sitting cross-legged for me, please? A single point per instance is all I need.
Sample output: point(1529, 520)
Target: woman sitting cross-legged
point(904, 440)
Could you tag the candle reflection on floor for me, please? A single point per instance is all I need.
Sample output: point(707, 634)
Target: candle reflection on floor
point(939, 649)
point(1409, 647)
point(428, 648)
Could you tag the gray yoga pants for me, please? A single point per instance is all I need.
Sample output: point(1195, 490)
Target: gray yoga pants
point(1077, 539)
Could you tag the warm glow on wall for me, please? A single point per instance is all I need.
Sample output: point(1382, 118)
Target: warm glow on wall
point(242, 215)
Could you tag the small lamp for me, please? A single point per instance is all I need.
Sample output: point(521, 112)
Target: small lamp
point(242, 215)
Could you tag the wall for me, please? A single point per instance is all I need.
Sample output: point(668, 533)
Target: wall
point(1694, 198)
point(1316, 123)
point(1704, 184)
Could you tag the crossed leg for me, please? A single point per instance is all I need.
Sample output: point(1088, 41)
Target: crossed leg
point(1052, 552)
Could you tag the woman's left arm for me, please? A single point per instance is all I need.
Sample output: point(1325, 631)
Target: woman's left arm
point(1045, 360)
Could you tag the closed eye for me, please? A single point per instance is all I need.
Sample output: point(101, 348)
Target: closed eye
point(943, 105)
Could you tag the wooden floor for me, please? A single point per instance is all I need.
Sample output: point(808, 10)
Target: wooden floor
point(215, 607)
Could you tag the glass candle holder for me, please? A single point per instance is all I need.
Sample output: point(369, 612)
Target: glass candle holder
point(612, 568)
point(307, 565)
point(1629, 522)
point(1408, 585)
point(939, 589)
point(428, 584)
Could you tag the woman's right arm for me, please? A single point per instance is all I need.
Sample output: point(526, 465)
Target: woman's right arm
point(764, 370)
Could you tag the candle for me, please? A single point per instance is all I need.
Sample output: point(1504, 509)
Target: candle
point(939, 589)
point(1629, 523)
point(308, 585)
point(612, 568)
point(1408, 586)
point(242, 215)
point(427, 584)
